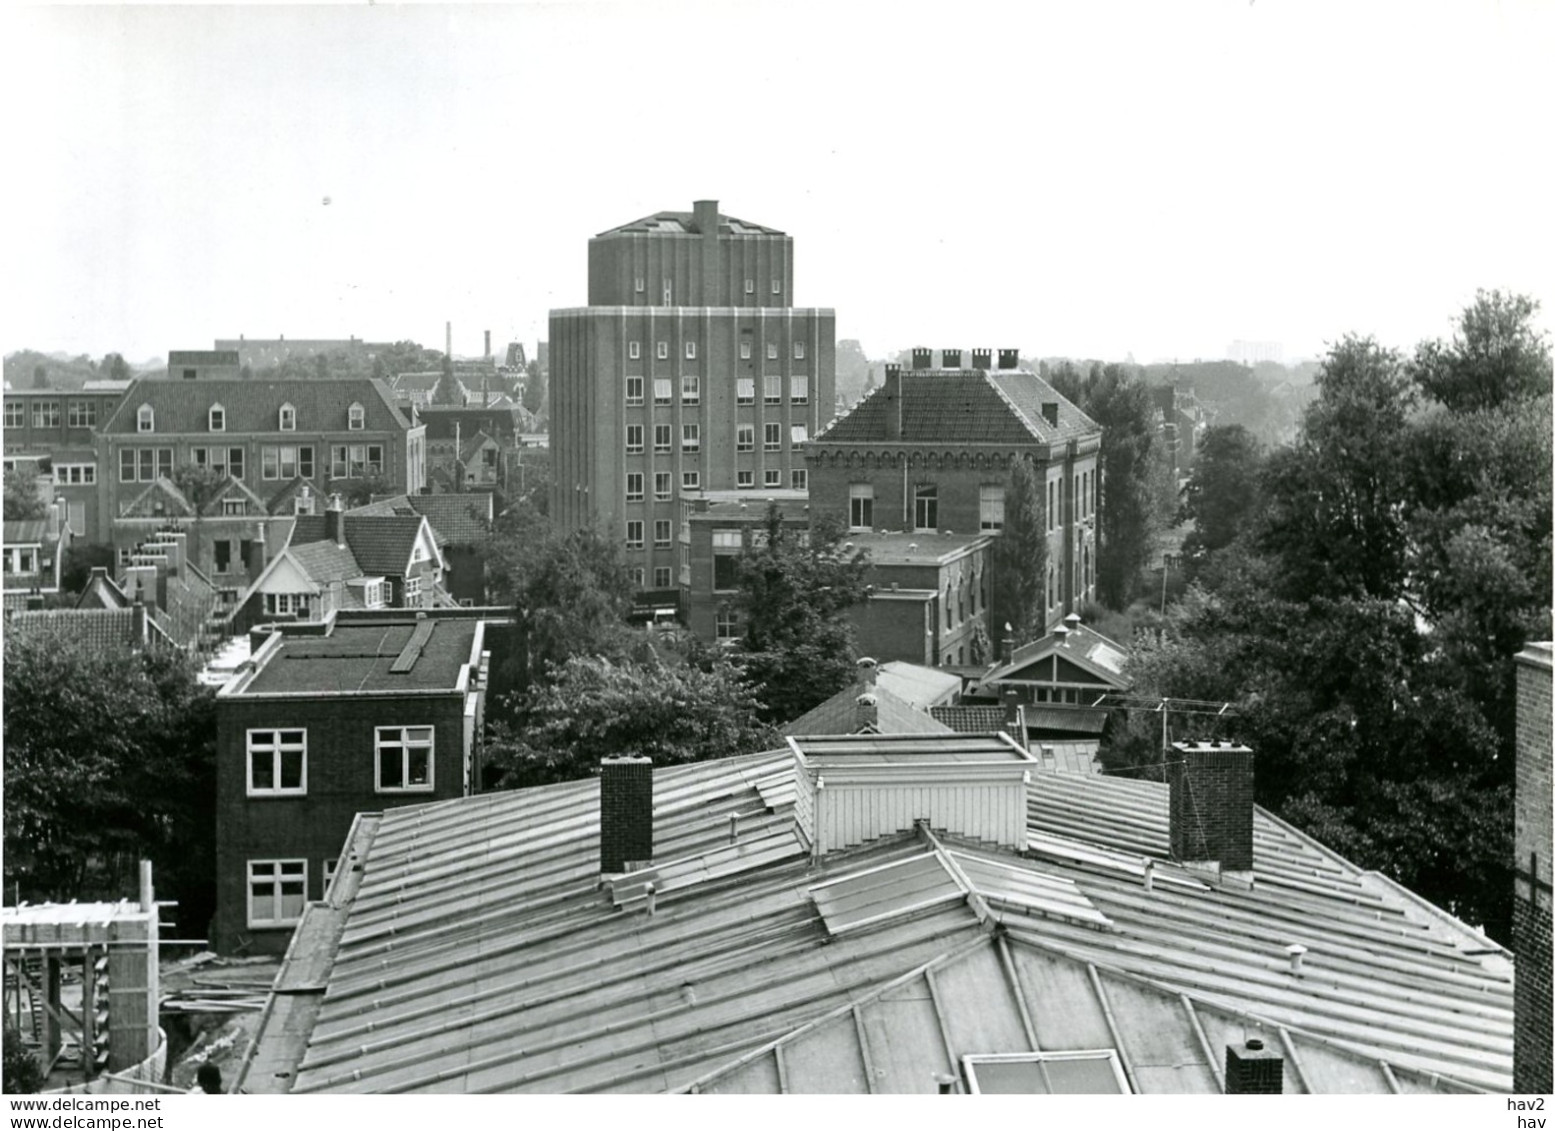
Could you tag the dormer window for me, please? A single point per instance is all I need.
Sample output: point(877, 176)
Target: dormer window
point(288, 418)
point(358, 417)
point(145, 419)
point(218, 418)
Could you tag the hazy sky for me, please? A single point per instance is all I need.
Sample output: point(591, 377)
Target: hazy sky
point(1086, 179)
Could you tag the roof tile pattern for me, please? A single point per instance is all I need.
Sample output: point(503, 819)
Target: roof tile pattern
point(962, 406)
point(381, 544)
point(254, 406)
point(476, 953)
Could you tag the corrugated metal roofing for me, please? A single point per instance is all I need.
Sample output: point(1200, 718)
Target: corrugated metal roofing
point(479, 954)
point(840, 714)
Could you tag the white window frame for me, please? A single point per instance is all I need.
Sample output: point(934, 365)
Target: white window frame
point(287, 418)
point(777, 286)
point(145, 419)
point(797, 434)
point(81, 414)
point(631, 397)
point(771, 437)
point(663, 485)
point(690, 437)
point(799, 389)
point(745, 480)
point(772, 477)
point(634, 350)
point(771, 351)
point(798, 351)
point(356, 418)
point(970, 1062)
point(726, 624)
point(750, 286)
point(663, 437)
point(75, 474)
point(634, 534)
point(634, 486)
point(662, 351)
point(745, 390)
point(799, 479)
point(990, 501)
point(691, 480)
point(745, 351)
point(45, 414)
point(639, 576)
point(399, 737)
point(640, 284)
point(663, 577)
point(281, 872)
point(276, 747)
point(861, 506)
point(772, 388)
point(663, 533)
point(691, 351)
point(412, 590)
point(216, 418)
point(663, 391)
point(690, 389)
point(745, 437)
point(15, 414)
point(634, 446)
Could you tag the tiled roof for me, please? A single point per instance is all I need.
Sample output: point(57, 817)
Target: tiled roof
point(473, 445)
point(1083, 646)
point(25, 531)
point(840, 714)
point(381, 543)
point(971, 719)
point(362, 657)
point(472, 950)
point(681, 223)
point(254, 406)
point(456, 519)
point(494, 420)
point(962, 406)
point(96, 628)
point(325, 562)
point(1076, 720)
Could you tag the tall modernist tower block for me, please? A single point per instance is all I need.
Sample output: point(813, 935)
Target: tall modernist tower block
point(690, 370)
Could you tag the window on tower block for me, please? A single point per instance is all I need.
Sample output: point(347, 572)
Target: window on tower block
point(772, 477)
point(634, 535)
point(662, 436)
point(772, 437)
point(634, 439)
point(662, 388)
point(690, 389)
point(663, 351)
point(277, 762)
point(745, 438)
point(745, 390)
point(799, 479)
point(690, 437)
point(745, 480)
point(799, 390)
point(745, 351)
point(662, 483)
point(661, 533)
point(661, 577)
point(773, 389)
point(634, 486)
point(634, 390)
point(691, 480)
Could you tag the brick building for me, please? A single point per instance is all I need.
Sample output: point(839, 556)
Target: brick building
point(929, 602)
point(55, 430)
point(1531, 941)
point(364, 712)
point(690, 370)
point(269, 437)
point(929, 450)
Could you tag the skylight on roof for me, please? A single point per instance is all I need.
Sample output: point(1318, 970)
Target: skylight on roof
point(885, 892)
point(1093, 1072)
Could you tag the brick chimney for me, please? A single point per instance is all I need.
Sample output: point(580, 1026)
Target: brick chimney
point(922, 357)
point(982, 359)
point(891, 390)
point(1531, 1020)
point(866, 712)
point(950, 359)
point(1009, 698)
point(1009, 359)
point(625, 814)
point(335, 522)
point(1007, 645)
point(867, 670)
point(1211, 804)
point(1252, 1069)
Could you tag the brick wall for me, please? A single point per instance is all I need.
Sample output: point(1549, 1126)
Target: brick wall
point(340, 782)
point(1531, 941)
point(1211, 805)
point(625, 812)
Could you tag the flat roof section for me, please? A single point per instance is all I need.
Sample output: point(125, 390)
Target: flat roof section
point(409, 655)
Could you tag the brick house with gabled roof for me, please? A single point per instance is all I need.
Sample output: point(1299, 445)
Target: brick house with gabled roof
point(930, 450)
point(269, 434)
point(460, 523)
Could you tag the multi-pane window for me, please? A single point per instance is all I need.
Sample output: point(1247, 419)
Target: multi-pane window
point(234, 507)
point(277, 762)
point(726, 558)
point(45, 414)
point(727, 624)
point(145, 419)
point(745, 351)
point(404, 759)
point(691, 480)
point(634, 535)
point(772, 477)
point(235, 462)
point(144, 464)
point(861, 506)
point(126, 465)
point(634, 439)
point(798, 351)
point(75, 474)
point(745, 438)
point(661, 532)
point(288, 418)
point(773, 389)
point(356, 418)
point(304, 460)
point(217, 418)
point(798, 434)
point(221, 551)
point(691, 351)
point(745, 390)
point(412, 592)
point(355, 461)
point(82, 414)
point(286, 604)
point(690, 389)
point(662, 388)
point(663, 436)
point(799, 390)
point(634, 486)
point(634, 350)
point(639, 574)
point(634, 390)
point(925, 507)
point(990, 506)
point(744, 480)
point(663, 351)
point(661, 577)
point(771, 351)
point(690, 437)
point(662, 485)
point(277, 890)
point(15, 414)
point(669, 292)
point(772, 437)
point(799, 479)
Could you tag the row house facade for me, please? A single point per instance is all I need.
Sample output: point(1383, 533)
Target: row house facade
point(269, 442)
point(689, 371)
point(54, 431)
point(930, 450)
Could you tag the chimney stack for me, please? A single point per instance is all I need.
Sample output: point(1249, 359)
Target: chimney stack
point(982, 359)
point(448, 341)
point(950, 359)
point(1252, 1069)
point(893, 402)
point(335, 522)
point(1050, 412)
point(1211, 804)
point(922, 358)
point(625, 814)
point(867, 670)
point(1009, 359)
point(1009, 696)
point(866, 713)
point(1007, 645)
point(488, 345)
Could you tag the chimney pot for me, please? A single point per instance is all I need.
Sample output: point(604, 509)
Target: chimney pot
point(1009, 359)
point(922, 357)
point(868, 670)
point(950, 359)
point(982, 359)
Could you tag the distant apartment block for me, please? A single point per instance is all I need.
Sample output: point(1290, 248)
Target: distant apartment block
point(265, 353)
point(690, 370)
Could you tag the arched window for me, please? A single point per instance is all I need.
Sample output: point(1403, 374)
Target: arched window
point(288, 418)
point(218, 418)
point(145, 419)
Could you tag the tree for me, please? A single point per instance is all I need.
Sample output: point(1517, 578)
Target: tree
point(198, 483)
point(1126, 521)
point(23, 1074)
point(22, 500)
point(594, 708)
point(446, 391)
point(1222, 498)
point(794, 590)
point(109, 758)
point(1019, 558)
point(360, 492)
point(40, 377)
point(1498, 355)
point(534, 395)
point(115, 368)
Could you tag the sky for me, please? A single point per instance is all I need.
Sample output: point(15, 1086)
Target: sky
point(1086, 180)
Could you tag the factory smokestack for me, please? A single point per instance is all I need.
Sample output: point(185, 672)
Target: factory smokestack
point(488, 344)
point(448, 340)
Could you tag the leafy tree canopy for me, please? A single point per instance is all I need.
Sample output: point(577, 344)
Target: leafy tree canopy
point(1019, 558)
point(22, 500)
point(1222, 498)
